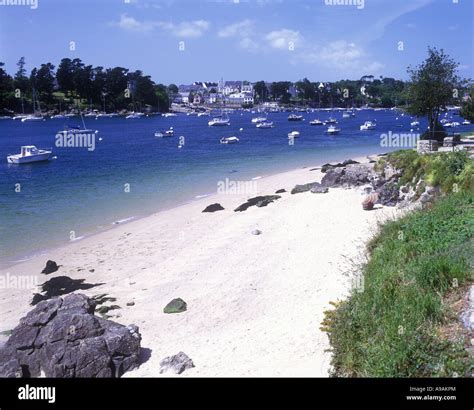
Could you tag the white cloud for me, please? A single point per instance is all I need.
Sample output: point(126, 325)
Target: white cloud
point(282, 39)
point(131, 24)
point(341, 56)
point(185, 29)
point(249, 45)
point(242, 28)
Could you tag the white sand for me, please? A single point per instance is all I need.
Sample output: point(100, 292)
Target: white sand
point(255, 303)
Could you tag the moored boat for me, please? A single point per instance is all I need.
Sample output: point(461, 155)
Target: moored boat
point(332, 130)
point(29, 154)
point(229, 140)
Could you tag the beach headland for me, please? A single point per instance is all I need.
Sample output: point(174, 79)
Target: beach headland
point(256, 282)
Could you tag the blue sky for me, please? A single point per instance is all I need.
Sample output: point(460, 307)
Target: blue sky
point(239, 39)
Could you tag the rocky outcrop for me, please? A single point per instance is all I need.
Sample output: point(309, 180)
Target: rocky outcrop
point(51, 266)
point(329, 166)
point(259, 201)
point(352, 175)
point(177, 363)
point(298, 189)
point(319, 189)
point(280, 191)
point(63, 338)
point(214, 208)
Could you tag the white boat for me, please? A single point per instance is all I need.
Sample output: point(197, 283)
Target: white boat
point(316, 122)
point(167, 133)
point(346, 114)
point(218, 121)
point(265, 125)
point(332, 130)
point(229, 140)
point(169, 114)
point(293, 134)
point(19, 117)
point(294, 117)
point(91, 114)
point(203, 114)
point(192, 113)
point(368, 125)
point(466, 122)
point(28, 154)
point(77, 130)
point(30, 118)
point(134, 115)
point(258, 120)
point(330, 121)
point(58, 117)
point(415, 123)
point(71, 115)
point(105, 115)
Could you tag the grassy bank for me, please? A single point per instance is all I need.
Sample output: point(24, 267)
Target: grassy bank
point(404, 323)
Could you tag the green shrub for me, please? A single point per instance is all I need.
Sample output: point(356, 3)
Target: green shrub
point(391, 329)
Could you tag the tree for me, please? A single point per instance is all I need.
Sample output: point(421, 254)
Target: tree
point(261, 90)
point(467, 110)
point(6, 88)
point(21, 81)
point(432, 87)
point(45, 82)
point(172, 89)
point(306, 90)
point(280, 91)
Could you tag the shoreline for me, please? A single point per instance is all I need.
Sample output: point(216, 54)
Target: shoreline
point(8, 263)
point(255, 301)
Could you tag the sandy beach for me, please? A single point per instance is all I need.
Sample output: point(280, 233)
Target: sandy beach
point(254, 302)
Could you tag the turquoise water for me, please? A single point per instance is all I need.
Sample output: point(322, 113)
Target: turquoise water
point(85, 191)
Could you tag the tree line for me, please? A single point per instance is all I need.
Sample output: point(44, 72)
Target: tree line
point(73, 83)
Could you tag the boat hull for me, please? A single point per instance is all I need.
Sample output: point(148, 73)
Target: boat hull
point(14, 159)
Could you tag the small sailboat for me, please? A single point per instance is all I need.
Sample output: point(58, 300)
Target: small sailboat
point(294, 117)
point(265, 125)
point(30, 118)
point(167, 133)
point(466, 122)
point(134, 115)
point(258, 120)
point(229, 140)
point(332, 130)
point(293, 134)
point(368, 125)
point(316, 122)
point(29, 154)
point(331, 120)
point(36, 116)
point(169, 114)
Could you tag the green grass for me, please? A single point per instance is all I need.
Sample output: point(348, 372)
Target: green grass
point(450, 171)
point(394, 327)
